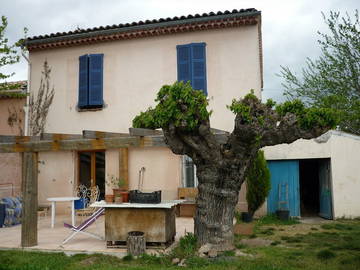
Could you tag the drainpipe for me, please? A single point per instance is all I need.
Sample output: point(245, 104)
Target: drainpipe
point(26, 126)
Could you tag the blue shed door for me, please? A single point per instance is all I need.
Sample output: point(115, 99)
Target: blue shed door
point(284, 187)
point(325, 190)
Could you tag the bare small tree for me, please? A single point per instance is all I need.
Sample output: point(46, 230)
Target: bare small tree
point(39, 105)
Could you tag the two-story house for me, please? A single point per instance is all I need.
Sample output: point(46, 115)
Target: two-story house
point(104, 76)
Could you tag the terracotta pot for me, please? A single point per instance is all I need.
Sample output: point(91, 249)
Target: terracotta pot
point(109, 198)
point(118, 199)
point(116, 192)
point(121, 192)
point(125, 196)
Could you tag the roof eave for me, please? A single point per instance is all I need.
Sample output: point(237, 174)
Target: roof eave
point(30, 42)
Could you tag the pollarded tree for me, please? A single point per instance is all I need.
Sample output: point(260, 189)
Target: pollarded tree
point(222, 165)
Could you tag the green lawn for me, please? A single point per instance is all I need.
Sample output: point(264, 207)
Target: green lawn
point(294, 246)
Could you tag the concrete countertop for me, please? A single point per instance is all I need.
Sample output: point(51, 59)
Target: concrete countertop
point(163, 204)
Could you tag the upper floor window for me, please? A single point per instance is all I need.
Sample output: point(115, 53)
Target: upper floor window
point(191, 65)
point(91, 81)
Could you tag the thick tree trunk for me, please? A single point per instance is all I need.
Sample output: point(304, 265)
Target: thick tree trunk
point(216, 202)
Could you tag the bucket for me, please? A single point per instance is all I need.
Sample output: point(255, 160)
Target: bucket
point(283, 214)
point(246, 217)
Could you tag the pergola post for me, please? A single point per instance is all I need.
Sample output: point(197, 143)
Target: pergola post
point(124, 165)
point(30, 200)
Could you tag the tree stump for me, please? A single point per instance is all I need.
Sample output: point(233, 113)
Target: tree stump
point(136, 243)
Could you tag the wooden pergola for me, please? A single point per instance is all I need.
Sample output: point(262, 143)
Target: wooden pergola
point(30, 146)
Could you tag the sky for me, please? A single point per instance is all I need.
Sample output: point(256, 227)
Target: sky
point(289, 27)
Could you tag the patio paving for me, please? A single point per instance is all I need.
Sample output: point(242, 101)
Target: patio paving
point(51, 239)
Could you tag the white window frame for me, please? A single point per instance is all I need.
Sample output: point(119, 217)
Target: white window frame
point(183, 170)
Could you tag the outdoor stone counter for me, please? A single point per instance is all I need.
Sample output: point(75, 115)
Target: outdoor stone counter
point(157, 221)
point(163, 204)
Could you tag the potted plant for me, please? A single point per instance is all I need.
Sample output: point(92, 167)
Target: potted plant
point(119, 189)
point(109, 198)
point(258, 186)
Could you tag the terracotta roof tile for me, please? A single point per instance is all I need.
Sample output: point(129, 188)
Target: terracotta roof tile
point(154, 21)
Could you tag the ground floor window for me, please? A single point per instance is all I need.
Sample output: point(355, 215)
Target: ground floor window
point(92, 170)
point(189, 172)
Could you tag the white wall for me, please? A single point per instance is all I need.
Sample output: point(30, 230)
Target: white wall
point(56, 177)
point(300, 149)
point(345, 167)
point(162, 170)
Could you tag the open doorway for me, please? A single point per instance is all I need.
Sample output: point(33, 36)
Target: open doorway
point(92, 170)
point(315, 188)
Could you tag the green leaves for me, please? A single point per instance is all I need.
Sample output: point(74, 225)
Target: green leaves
point(309, 117)
point(8, 53)
point(178, 104)
point(242, 107)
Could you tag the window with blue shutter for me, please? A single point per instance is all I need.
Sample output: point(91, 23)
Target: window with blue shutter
point(191, 65)
point(91, 81)
point(83, 81)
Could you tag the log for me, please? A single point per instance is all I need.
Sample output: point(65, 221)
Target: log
point(136, 244)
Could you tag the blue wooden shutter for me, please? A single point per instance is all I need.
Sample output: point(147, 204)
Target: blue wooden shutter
point(83, 81)
point(198, 67)
point(183, 63)
point(96, 79)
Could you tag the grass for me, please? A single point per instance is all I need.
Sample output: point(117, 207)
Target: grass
point(332, 246)
point(273, 220)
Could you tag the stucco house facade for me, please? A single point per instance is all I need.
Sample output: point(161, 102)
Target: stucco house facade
point(12, 122)
point(103, 77)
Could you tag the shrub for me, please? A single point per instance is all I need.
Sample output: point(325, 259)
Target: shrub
point(258, 183)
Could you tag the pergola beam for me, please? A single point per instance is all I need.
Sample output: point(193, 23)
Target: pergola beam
point(82, 144)
point(144, 132)
point(94, 134)
point(17, 139)
point(95, 140)
point(59, 136)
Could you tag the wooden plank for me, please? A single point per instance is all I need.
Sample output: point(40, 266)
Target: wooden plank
point(151, 141)
point(59, 136)
point(68, 145)
point(124, 166)
point(30, 200)
point(93, 134)
point(144, 132)
point(91, 144)
point(17, 139)
point(187, 193)
point(93, 169)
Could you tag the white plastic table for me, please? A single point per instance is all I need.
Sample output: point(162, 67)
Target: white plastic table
point(62, 199)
